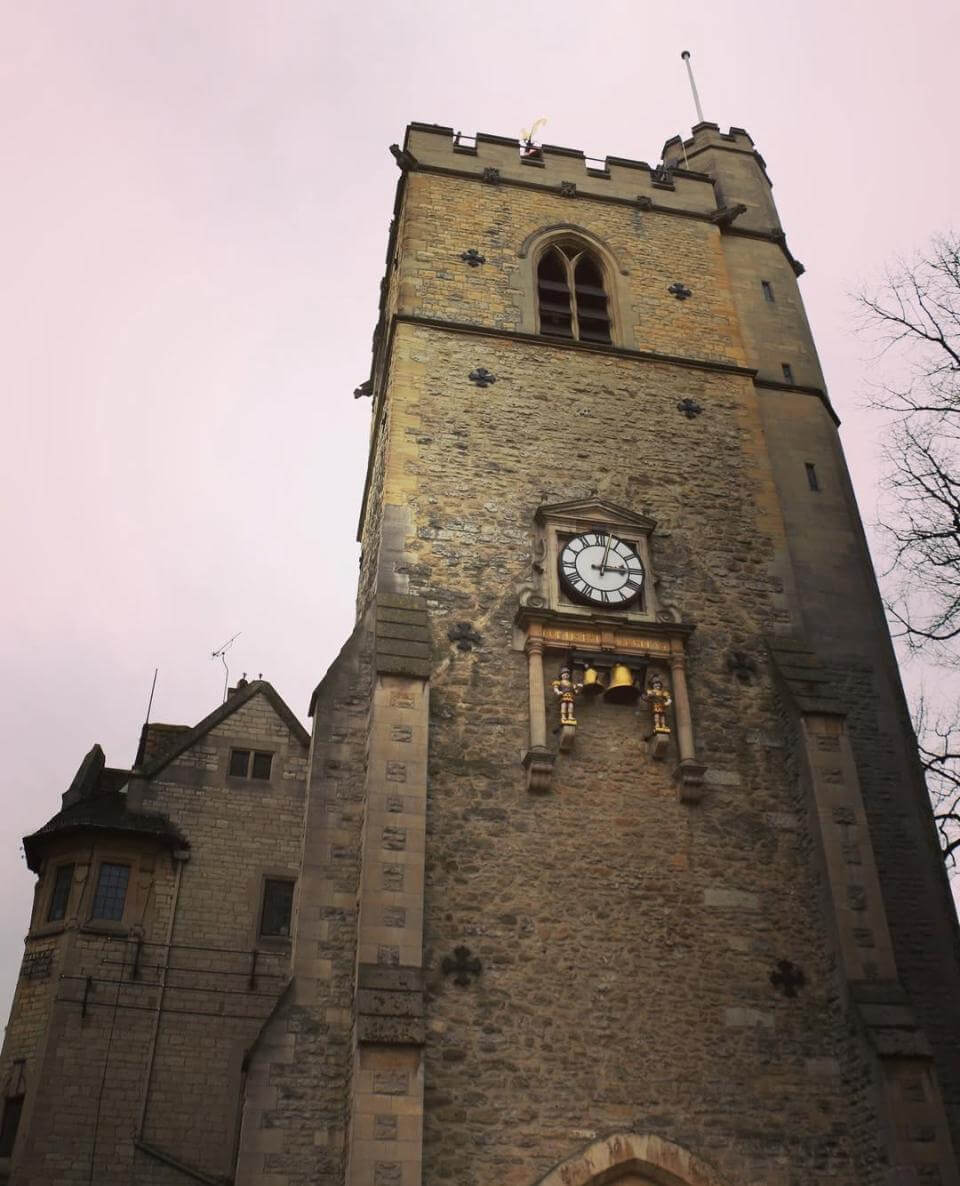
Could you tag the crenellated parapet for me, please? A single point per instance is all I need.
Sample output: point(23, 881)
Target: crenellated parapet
point(738, 171)
point(501, 160)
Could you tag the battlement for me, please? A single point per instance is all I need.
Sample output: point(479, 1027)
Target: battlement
point(436, 147)
point(707, 136)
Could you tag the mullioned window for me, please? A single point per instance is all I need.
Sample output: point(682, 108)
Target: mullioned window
point(571, 296)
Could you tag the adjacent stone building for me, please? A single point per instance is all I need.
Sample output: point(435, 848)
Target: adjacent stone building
point(608, 859)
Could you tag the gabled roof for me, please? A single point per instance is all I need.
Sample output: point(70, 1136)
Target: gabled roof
point(243, 695)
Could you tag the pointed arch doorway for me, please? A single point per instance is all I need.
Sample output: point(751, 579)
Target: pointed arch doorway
point(633, 1159)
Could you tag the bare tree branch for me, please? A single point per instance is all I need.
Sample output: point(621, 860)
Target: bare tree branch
point(914, 319)
point(938, 744)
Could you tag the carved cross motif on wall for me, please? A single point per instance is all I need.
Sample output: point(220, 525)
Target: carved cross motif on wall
point(473, 257)
point(680, 291)
point(463, 964)
point(787, 978)
point(464, 636)
point(742, 666)
point(689, 407)
point(482, 377)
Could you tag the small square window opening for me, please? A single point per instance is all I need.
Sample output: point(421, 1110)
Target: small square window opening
point(277, 908)
point(111, 895)
point(812, 480)
point(60, 896)
point(767, 290)
point(239, 762)
point(787, 372)
point(9, 1123)
point(261, 765)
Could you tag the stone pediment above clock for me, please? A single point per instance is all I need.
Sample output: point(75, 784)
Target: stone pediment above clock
point(594, 511)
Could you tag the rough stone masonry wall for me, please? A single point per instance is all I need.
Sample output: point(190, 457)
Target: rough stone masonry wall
point(647, 251)
point(85, 1080)
point(88, 1097)
point(924, 934)
point(372, 526)
point(627, 939)
point(844, 622)
point(25, 1034)
point(655, 250)
point(295, 1119)
point(240, 831)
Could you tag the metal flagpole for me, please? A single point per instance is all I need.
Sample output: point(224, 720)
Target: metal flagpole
point(693, 86)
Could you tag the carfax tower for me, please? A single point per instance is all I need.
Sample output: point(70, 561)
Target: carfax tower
point(610, 860)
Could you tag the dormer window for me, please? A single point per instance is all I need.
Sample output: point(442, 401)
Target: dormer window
point(571, 295)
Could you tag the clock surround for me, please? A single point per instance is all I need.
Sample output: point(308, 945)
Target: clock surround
point(557, 524)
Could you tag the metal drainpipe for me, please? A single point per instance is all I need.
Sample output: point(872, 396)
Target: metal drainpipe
point(181, 856)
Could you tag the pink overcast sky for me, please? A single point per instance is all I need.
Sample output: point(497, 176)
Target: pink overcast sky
point(195, 204)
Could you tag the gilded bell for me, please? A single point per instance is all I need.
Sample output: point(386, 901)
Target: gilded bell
point(593, 681)
point(621, 689)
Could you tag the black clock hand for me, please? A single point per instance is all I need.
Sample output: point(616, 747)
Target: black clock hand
point(606, 554)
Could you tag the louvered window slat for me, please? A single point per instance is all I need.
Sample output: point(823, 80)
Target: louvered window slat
point(571, 297)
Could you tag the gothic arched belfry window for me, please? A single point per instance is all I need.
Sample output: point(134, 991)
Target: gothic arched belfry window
point(571, 295)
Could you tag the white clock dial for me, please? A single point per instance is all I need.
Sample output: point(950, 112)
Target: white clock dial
point(601, 569)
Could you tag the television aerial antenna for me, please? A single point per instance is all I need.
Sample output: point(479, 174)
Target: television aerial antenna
point(221, 654)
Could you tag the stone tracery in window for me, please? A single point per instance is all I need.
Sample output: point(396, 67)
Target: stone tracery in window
point(571, 295)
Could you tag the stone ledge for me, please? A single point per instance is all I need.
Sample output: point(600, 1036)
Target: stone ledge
point(410, 632)
point(884, 992)
point(399, 979)
point(401, 601)
point(390, 1005)
point(374, 1003)
point(391, 1031)
point(900, 1043)
point(400, 665)
point(803, 677)
point(402, 640)
point(417, 649)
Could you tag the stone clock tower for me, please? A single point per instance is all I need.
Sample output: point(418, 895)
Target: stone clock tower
point(618, 866)
point(612, 860)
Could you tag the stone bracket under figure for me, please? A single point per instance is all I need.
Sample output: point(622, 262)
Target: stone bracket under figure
point(567, 691)
point(658, 700)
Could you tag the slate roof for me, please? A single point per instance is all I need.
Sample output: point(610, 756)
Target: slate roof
point(95, 800)
point(102, 809)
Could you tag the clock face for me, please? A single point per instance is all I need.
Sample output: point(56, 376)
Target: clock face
point(601, 569)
